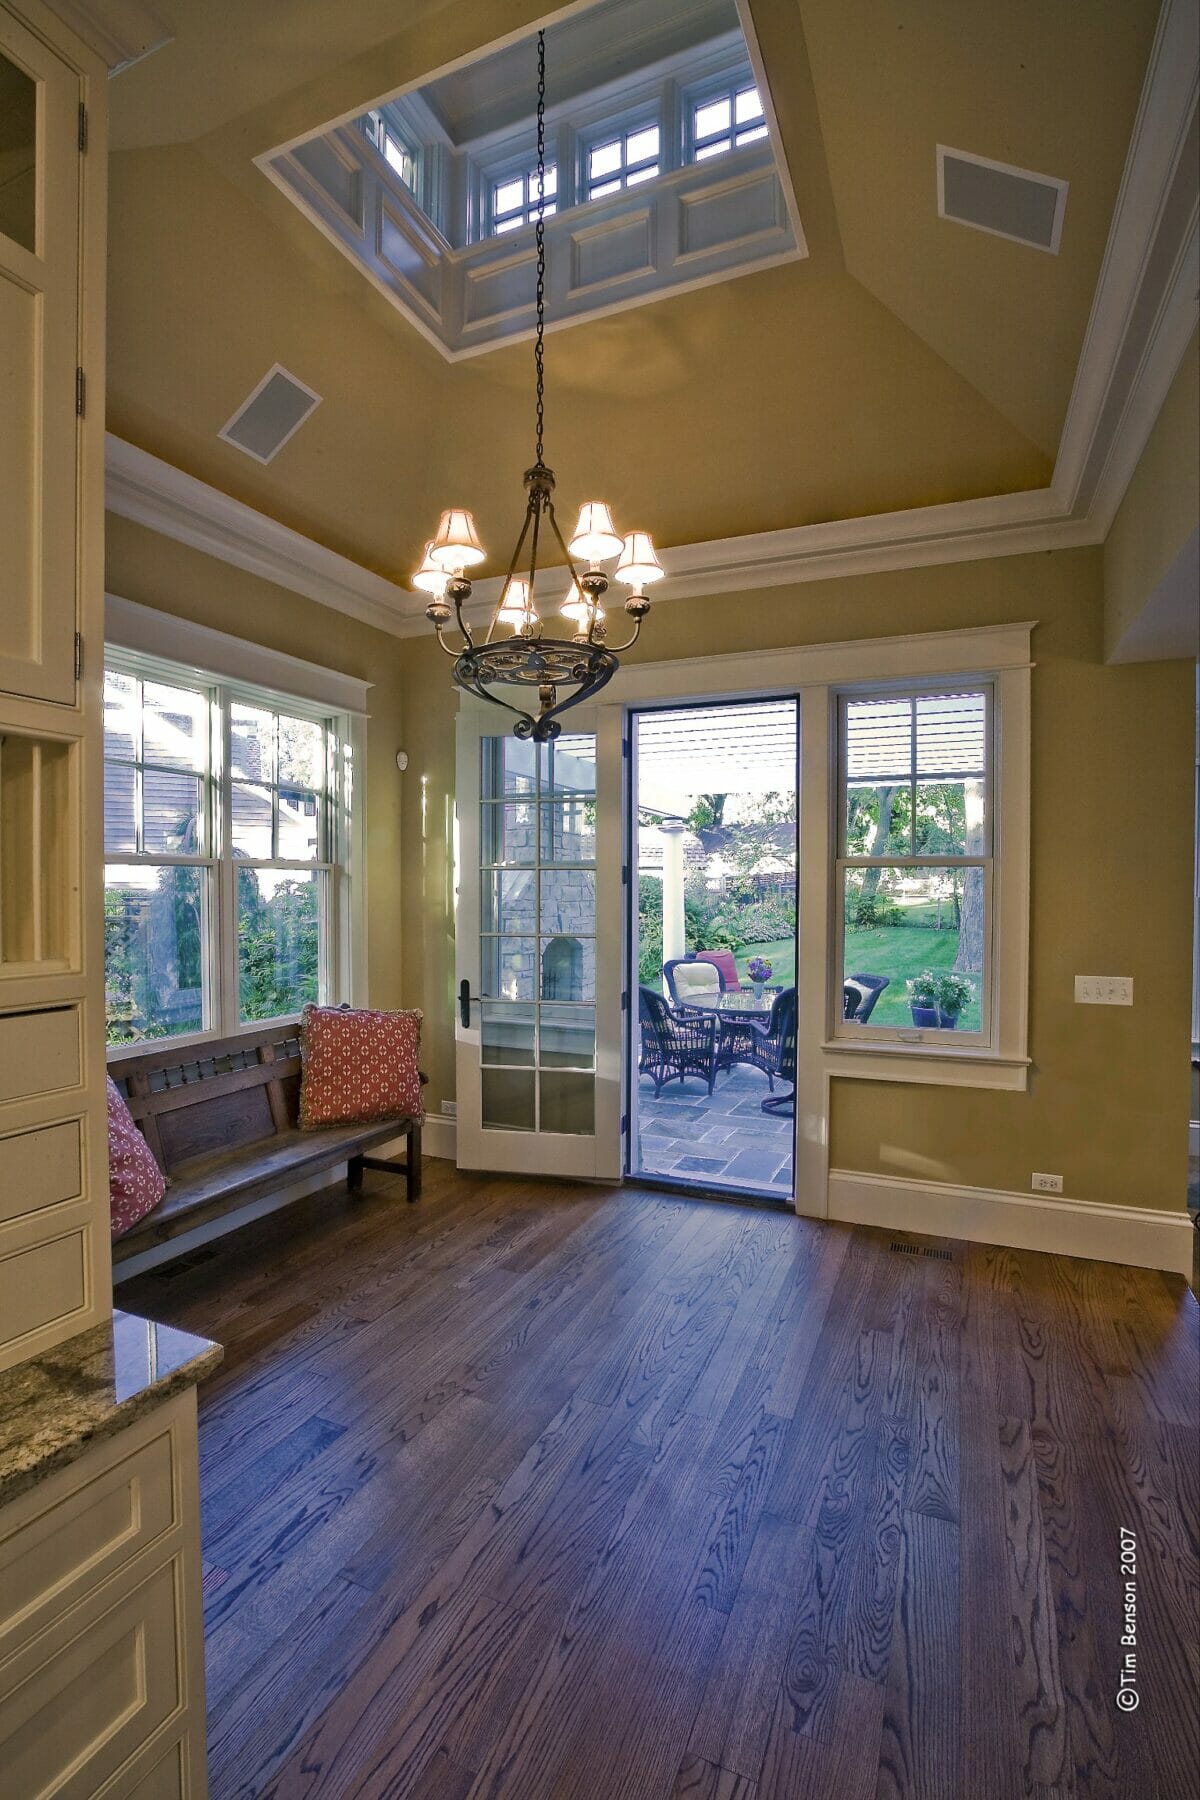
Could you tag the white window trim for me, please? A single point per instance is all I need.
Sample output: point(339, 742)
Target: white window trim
point(816, 672)
point(841, 1032)
point(158, 645)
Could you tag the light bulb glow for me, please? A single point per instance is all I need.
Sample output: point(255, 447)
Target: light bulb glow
point(639, 563)
point(429, 578)
point(596, 537)
point(457, 544)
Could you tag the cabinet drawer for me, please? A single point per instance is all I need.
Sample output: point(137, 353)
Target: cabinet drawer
point(39, 1052)
point(48, 1564)
point(40, 1168)
point(70, 1723)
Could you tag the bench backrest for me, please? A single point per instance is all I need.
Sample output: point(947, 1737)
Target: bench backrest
point(217, 1096)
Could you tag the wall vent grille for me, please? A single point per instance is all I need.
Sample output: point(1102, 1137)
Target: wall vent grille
point(991, 196)
point(269, 416)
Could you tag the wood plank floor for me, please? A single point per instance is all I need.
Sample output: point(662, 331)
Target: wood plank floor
point(555, 1493)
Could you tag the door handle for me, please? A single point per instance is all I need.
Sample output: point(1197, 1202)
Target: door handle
point(465, 997)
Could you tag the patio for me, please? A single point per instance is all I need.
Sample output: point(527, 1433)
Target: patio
point(725, 1141)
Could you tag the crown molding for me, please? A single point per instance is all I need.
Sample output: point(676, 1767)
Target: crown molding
point(1143, 316)
point(151, 492)
point(122, 32)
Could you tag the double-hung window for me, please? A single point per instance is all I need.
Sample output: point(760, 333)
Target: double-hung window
point(621, 161)
point(515, 199)
point(726, 121)
point(914, 865)
point(224, 829)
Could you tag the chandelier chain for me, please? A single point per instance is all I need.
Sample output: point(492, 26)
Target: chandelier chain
point(539, 340)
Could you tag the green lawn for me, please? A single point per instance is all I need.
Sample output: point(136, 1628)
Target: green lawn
point(781, 955)
point(899, 951)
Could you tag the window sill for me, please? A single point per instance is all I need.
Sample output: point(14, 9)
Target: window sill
point(193, 1040)
point(937, 1065)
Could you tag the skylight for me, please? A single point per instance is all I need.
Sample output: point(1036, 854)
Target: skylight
point(433, 191)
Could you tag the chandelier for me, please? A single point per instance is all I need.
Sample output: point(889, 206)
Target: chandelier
point(527, 659)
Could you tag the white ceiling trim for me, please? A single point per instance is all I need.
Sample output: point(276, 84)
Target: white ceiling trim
point(142, 487)
point(120, 31)
point(1143, 317)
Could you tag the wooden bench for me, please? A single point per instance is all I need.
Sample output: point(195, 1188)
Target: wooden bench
point(221, 1120)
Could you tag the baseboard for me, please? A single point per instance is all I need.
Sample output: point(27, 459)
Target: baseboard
point(439, 1136)
point(1145, 1238)
point(230, 1221)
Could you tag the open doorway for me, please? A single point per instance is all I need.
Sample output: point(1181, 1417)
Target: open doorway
point(713, 1063)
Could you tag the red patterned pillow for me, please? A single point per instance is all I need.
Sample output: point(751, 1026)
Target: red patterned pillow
point(358, 1066)
point(135, 1182)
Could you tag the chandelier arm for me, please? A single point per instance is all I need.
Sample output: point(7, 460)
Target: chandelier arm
point(443, 645)
point(512, 569)
point(570, 562)
point(536, 510)
point(568, 558)
point(462, 623)
point(620, 649)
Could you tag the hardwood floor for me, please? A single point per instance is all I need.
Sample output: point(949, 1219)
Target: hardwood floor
point(556, 1493)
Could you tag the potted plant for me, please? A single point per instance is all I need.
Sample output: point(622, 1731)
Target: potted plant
point(938, 998)
point(759, 971)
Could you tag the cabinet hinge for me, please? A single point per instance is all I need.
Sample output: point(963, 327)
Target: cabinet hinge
point(80, 392)
point(79, 656)
point(624, 874)
point(624, 1002)
point(83, 128)
point(624, 1123)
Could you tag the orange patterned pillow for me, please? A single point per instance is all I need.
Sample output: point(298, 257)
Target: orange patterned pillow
point(358, 1066)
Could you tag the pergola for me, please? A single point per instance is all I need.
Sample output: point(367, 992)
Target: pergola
point(682, 752)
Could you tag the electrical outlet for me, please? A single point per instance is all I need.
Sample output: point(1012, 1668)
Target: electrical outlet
point(1104, 990)
point(450, 1108)
point(1047, 1184)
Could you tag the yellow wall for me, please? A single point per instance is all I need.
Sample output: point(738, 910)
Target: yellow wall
point(158, 572)
point(1159, 511)
point(1108, 1097)
point(1112, 833)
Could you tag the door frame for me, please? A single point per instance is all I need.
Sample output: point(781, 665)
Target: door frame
point(631, 932)
point(599, 1156)
point(814, 674)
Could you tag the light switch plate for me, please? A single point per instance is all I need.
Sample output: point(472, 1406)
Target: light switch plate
point(1104, 990)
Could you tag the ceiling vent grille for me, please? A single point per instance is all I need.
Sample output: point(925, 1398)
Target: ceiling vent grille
point(272, 414)
point(995, 197)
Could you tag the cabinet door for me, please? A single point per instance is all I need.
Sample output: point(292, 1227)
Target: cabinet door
point(39, 336)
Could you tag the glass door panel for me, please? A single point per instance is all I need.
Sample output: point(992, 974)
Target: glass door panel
point(537, 933)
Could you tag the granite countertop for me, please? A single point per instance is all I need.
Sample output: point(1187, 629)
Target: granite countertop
point(55, 1405)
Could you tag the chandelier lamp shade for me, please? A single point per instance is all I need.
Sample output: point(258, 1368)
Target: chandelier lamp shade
point(514, 656)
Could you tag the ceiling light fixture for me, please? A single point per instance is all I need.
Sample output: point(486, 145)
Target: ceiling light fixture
point(528, 659)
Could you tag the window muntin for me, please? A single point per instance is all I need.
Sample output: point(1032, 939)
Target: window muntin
point(221, 840)
point(726, 120)
point(622, 161)
point(401, 156)
point(914, 875)
point(515, 199)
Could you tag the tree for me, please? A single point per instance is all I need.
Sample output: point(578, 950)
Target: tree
point(707, 820)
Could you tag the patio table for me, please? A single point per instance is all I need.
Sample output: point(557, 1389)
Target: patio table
point(738, 1017)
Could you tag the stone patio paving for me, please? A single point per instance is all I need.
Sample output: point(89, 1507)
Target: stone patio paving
point(727, 1141)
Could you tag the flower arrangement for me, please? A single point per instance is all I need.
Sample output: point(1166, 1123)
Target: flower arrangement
point(943, 992)
point(758, 969)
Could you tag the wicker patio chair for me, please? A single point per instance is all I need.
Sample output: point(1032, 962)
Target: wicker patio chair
point(691, 982)
point(676, 1044)
point(858, 1005)
point(777, 1051)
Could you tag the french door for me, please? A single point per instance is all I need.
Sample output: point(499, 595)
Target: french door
point(539, 946)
